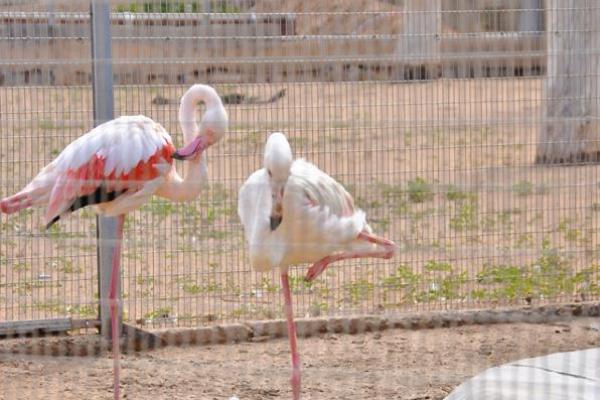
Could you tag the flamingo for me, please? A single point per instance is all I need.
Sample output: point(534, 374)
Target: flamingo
point(293, 213)
point(118, 166)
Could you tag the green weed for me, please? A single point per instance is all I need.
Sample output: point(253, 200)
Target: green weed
point(523, 188)
point(68, 266)
point(158, 207)
point(191, 287)
point(21, 266)
point(549, 275)
point(433, 265)
point(454, 193)
point(359, 290)
point(144, 280)
point(162, 312)
point(569, 233)
point(401, 277)
point(419, 190)
point(267, 285)
point(445, 288)
point(299, 284)
point(82, 310)
point(466, 218)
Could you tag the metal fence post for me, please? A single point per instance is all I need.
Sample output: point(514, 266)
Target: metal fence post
point(102, 86)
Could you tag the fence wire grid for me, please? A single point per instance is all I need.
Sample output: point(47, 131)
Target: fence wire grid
point(466, 130)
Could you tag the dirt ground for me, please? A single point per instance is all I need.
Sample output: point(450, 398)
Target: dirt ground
point(392, 364)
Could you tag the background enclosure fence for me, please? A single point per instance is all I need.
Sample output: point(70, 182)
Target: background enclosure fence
point(451, 123)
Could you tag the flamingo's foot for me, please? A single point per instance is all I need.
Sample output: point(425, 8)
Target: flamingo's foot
point(15, 203)
point(316, 269)
point(388, 245)
point(390, 252)
point(295, 381)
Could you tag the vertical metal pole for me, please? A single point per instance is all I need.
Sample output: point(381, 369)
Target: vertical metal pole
point(102, 86)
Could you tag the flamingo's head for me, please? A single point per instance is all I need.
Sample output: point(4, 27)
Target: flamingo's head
point(213, 125)
point(278, 163)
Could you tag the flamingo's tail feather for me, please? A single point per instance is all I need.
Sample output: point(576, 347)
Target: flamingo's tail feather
point(100, 195)
point(52, 222)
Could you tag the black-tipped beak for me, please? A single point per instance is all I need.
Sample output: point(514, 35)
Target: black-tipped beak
point(192, 149)
point(178, 156)
point(275, 221)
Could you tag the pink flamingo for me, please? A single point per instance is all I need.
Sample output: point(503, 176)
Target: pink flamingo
point(292, 213)
point(118, 166)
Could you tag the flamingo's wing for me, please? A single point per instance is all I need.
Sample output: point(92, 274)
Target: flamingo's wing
point(116, 158)
point(325, 207)
point(321, 189)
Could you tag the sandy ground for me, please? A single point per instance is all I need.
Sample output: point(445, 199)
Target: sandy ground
point(393, 364)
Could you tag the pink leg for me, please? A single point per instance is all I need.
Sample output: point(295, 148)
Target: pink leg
point(387, 252)
point(114, 308)
point(291, 326)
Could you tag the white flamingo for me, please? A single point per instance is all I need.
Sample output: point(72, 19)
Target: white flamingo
point(292, 213)
point(118, 166)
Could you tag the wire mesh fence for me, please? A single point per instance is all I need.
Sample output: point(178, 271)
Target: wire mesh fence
point(439, 117)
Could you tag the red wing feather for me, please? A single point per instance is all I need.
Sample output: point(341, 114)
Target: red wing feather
point(86, 179)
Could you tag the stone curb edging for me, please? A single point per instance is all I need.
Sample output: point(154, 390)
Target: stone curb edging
point(260, 331)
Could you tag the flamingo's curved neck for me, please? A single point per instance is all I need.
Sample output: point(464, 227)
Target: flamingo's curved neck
point(189, 187)
point(188, 106)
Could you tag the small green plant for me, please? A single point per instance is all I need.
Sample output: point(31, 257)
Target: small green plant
point(144, 280)
point(214, 234)
point(570, 234)
point(318, 307)
point(298, 284)
point(523, 188)
point(419, 190)
point(82, 310)
point(502, 274)
point(549, 275)
point(158, 207)
point(403, 280)
point(359, 290)
point(525, 240)
point(162, 312)
point(267, 285)
point(47, 125)
point(446, 288)
point(454, 193)
point(21, 266)
point(190, 286)
point(433, 265)
point(49, 306)
point(407, 138)
point(67, 266)
point(466, 218)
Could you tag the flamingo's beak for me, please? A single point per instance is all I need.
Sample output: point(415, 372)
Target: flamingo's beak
point(277, 210)
point(275, 221)
point(193, 149)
